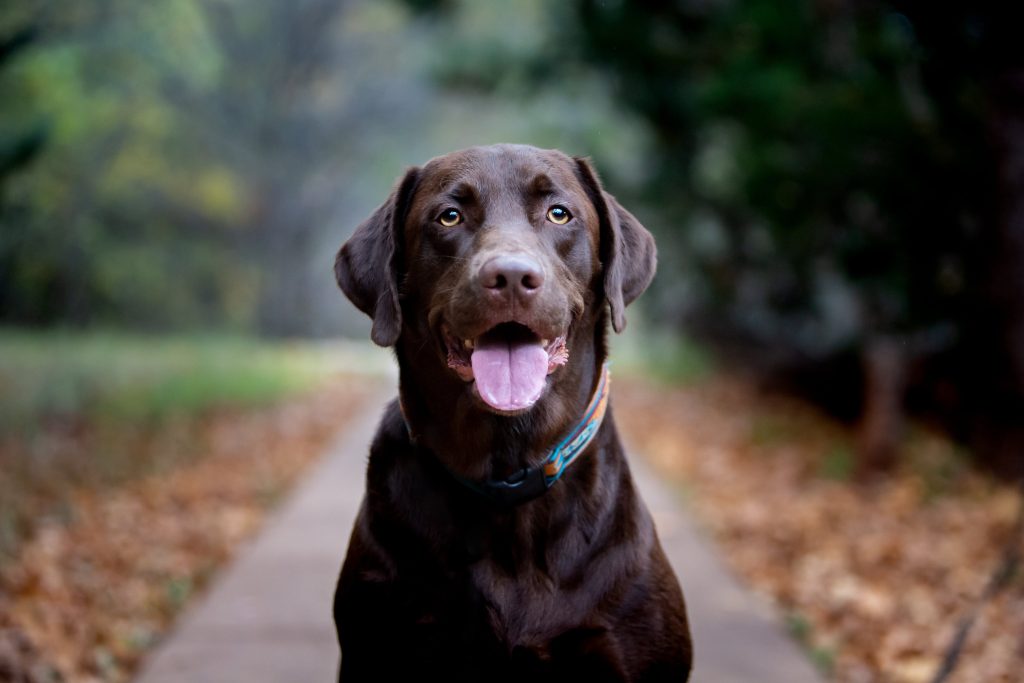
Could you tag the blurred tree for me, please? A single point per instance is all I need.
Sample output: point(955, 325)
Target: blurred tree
point(267, 120)
point(832, 196)
point(978, 47)
point(20, 141)
point(92, 231)
point(203, 159)
point(825, 174)
point(193, 151)
point(18, 146)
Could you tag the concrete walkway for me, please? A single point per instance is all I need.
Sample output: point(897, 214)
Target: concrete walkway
point(268, 616)
point(736, 636)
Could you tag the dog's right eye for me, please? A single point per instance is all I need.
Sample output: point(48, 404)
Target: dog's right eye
point(449, 218)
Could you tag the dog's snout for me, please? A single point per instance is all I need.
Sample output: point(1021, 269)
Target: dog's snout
point(511, 275)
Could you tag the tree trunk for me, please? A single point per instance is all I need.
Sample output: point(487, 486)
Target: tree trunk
point(884, 360)
point(1003, 435)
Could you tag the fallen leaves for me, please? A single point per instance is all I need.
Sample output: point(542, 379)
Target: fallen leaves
point(85, 598)
point(874, 576)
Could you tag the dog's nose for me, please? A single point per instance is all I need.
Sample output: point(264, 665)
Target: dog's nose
point(511, 275)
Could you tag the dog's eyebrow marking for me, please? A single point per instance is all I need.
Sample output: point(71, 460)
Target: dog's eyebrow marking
point(540, 185)
point(463, 193)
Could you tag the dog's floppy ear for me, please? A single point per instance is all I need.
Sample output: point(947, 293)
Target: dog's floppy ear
point(627, 249)
point(367, 264)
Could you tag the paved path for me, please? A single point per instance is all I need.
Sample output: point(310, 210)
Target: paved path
point(736, 637)
point(267, 618)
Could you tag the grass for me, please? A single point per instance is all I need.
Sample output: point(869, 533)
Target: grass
point(838, 464)
point(109, 376)
point(94, 409)
point(665, 357)
point(801, 630)
point(767, 431)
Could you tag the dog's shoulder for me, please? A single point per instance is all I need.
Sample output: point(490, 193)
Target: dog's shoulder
point(392, 436)
point(405, 486)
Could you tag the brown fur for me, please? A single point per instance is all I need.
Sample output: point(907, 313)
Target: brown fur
point(439, 583)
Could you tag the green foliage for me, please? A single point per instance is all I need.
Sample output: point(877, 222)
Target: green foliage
point(67, 377)
point(799, 627)
point(801, 630)
point(783, 140)
point(192, 164)
point(839, 464)
point(939, 469)
point(819, 175)
point(787, 133)
point(89, 231)
point(178, 591)
point(170, 144)
point(662, 356)
point(824, 659)
point(771, 430)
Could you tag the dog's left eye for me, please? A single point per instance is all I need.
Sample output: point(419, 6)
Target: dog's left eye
point(449, 218)
point(559, 215)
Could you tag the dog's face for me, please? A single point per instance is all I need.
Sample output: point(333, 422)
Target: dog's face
point(497, 257)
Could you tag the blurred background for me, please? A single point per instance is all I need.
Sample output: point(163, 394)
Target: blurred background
point(836, 188)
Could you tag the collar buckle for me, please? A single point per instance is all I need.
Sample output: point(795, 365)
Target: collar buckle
point(523, 486)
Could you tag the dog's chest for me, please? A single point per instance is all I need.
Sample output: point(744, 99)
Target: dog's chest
point(519, 608)
point(530, 593)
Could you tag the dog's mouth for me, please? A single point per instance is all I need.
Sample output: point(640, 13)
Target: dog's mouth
point(509, 364)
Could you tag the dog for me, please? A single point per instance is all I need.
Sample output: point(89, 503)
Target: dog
point(501, 537)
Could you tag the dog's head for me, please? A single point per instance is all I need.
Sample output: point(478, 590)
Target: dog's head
point(499, 258)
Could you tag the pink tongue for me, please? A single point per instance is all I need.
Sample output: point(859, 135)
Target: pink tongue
point(509, 374)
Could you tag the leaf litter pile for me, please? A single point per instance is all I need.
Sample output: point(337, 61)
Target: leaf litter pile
point(872, 578)
point(92, 590)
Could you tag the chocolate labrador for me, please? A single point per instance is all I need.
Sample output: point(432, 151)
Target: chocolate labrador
point(501, 537)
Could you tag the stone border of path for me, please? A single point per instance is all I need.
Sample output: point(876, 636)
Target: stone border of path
point(267, 617)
